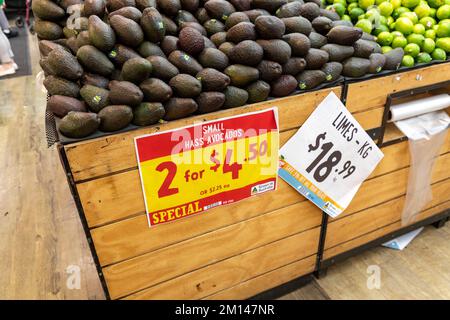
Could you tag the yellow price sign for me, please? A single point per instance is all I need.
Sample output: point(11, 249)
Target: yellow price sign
point(189, 170)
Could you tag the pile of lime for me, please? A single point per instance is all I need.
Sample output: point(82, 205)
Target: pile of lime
point(420, 27)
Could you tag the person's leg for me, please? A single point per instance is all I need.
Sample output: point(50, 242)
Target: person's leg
point(4, 24)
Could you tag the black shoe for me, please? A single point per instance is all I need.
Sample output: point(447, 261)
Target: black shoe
point(11, 33)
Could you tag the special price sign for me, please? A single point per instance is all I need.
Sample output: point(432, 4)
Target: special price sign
point(329, 157)
point(189, 170)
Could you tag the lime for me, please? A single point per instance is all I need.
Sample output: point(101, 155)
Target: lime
point(447, 1)
point(433, 13)
point(435, 27)
point(407, 61)
point(412, 49)
point(427, 22)
point(430, 34)
point(383, 20)
point(381, 28)
point(352, 1)
point(410, 3)
point(339, 8)
point(436, 3)
point(411, 16)
point(443, 29)
point(352, 6)
point(392, 26)
point(424, 57)
point(355, 13)
point(343, 2)
point(399, 42)
point(444, 44)
point(404, 25)
point(419, 29)
point(386, 49)
point(397, 34)
point(389, 21)
point(385, 38)
point(366, 3)
point(443, 12)
point(396, 3)
point(439, 54)
point(386, 9)
point(397, 12)
point(416, 38)
point(365, 25)
point(428, 45)
point(378, 2)
point(422, 10)
point(346, 17)
point(361, 17)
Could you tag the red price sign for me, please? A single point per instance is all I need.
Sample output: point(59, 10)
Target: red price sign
point(189, 170)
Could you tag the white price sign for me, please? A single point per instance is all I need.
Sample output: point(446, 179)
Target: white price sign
point(329, 157)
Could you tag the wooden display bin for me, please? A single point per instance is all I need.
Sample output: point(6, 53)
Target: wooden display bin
point(231, 252)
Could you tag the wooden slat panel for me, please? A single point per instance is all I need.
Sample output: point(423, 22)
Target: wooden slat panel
point(230, 272)
point(370, 119)
point(377, 217)
point(149, 269)
point(343, 247)
point(101, 156)
point(267, 281)
point(372, 94)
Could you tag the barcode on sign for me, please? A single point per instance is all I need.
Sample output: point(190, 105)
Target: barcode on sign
point(212, 205)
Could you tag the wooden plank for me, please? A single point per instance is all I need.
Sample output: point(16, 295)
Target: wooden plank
point(372, 94)
point(230, 272)
point(377, 217)
point(346, 246)
point(370, 119)
point(266, 281)
point(149, 269)
point(101, 156)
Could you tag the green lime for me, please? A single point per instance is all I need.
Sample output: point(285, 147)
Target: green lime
point(427, 22)
point(424, 57)
point(355, 13)
point(385, 38)
point(444, 44)
point(422, 10)
point(416, 38)
point(411, 16)
point(443, 29)
point(412, 49)
point(386, 8)
point(430, 34)
point(435, 27)
point(428, 45)
point(378, 2)
point(389, 21)
point(352, 6)
point(407, 61)
point(330, 1)
point(346, 17)
point(383, 20)
point(436, 3)
point(392, 26)
point(339, 8)
point(433, 13)
point(443, 12)
point(365, 4)
point(419, 28)
point(397, 34)
point(404, 25)
point(410, 3)
point(365, 25)
point(447, 1)
point(399, 42)
point(381, 28)
point(397, 12)
point(343, 2)
point(396, 3)
point(386, 49)
point(439, 54)
point(352, 1)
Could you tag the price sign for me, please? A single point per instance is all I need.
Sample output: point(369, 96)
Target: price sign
point(189, 170)
point(329, 157)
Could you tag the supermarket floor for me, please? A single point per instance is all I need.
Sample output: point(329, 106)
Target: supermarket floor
point(43, 244)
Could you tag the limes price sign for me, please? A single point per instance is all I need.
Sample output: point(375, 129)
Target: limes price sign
point(329, 157)
point(189, 170)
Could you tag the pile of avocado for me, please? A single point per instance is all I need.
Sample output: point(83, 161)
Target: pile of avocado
point(109, 63)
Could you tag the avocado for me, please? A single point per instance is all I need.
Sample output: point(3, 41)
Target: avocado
point(190, 5)
point(235, 18)
point(213, 80)
point(363, 48)
point(283, 86)
point(147, 49)
point(62, 105)
point(185, 86)
point(209, 43)
point(213, 58)
point(332, 70)
point(355, 67)
point(338, 52)
point(269, 70)
point(241, 31)
point(115, 117)
point(194, 25)
point(94, 7)
point(96, 98)
point(234, 97)
point(128, 12)
point(81, 24)
point(47, 30)
point(60, 86)
point(219, 9)
point(269, 5)
point(258, 91)
point(322, 25)
point(377, 61)
point(67, 3)
point(393, 59)
point(162, 68)
point(241, 75)
point(43, 63)
point(184, 16)
point(125, 92)
point(127, 31)
point(101, 35)
point(184, 62)
point(344, 35)
point(136, 70)
point(94, 60)
point(69, 33)
point(191, 41)
point(297, 25)
point(330, 14)
point(213, 26)
point(95, 80)
point(367, 36)
point(247, 52)
point(299, 43)
point(241, 5)
point(210, 101)
point(290, 9)
point(169, 7)
point(294, 66)
point(148, 113)
point(177, 108)
point(269, 27)
point(309, 10)
point(317, 40)
point(72, 45)
point(46, 46)
point(155, 90)
point(276, 50)
point(116, 75)
point(219, 38)
point(343, 23)
point(79, 124)
point(168, 45)
point(64, 64)
point(152, 25)
point(255, 13)
point(226, 48)
point(114, 5)
point(202, 15)
point(121, 54)
point(83, 39)
point(47, 10)
point(143, 4)
point(309, 79)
